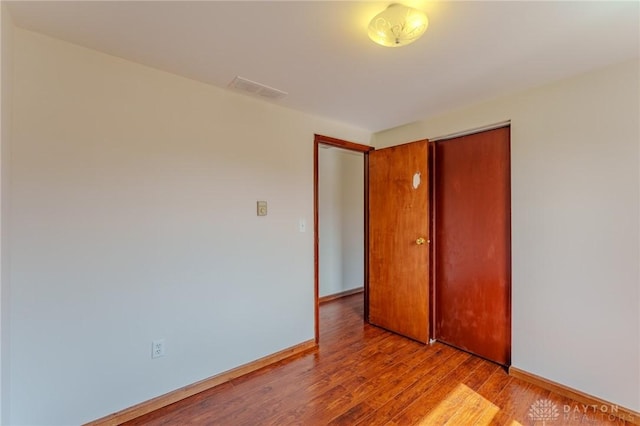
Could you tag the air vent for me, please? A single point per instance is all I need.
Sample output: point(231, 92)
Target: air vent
point(256, 89)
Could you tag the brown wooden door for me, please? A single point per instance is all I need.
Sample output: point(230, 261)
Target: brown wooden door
point(473, 244)
point(398, 294)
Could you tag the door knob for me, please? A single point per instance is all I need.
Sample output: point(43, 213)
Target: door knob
point(420, 241)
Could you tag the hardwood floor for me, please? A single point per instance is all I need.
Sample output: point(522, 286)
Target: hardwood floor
point(363, 375)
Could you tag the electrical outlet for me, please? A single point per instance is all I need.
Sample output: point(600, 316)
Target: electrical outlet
point(157, 348)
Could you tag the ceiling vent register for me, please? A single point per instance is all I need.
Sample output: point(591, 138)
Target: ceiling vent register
point(256, 89)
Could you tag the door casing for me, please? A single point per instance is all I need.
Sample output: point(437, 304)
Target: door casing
point(351, 146)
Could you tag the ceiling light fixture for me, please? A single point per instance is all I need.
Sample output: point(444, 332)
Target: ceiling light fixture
point(398, 25)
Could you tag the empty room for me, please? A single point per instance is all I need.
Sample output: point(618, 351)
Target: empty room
point(320, 212)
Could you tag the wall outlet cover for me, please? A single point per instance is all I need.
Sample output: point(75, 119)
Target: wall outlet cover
point(157, 348)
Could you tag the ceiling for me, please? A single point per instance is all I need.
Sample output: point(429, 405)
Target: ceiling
point(319, 52)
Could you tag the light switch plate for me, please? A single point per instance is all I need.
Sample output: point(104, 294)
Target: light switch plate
point(262, 208)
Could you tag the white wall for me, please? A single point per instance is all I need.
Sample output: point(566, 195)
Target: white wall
point(341, 220)
point(6, 64)
point(575, 225)
point(133, 205)
point(329, 223)
point(352, 175)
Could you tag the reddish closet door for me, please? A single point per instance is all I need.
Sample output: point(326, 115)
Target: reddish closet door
point(473, 243)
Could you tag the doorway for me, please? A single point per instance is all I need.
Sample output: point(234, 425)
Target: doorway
point(332, 266)
point(341, 222)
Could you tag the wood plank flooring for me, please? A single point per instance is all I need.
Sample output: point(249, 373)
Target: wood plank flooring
point(363, 375)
